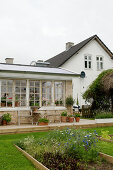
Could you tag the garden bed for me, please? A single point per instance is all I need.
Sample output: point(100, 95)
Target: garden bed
point(67, 149)
point(59, 162)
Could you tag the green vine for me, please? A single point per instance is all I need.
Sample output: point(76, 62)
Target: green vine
point(96, 91)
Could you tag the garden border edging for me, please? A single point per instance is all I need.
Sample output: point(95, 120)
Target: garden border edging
point(108, 158)
point(37, 164)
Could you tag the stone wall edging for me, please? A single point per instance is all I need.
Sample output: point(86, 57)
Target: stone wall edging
point(37, 164)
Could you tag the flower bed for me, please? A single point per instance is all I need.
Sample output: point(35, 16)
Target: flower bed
point(66, 149)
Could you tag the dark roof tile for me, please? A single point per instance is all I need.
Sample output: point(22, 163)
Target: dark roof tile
point(61, 58)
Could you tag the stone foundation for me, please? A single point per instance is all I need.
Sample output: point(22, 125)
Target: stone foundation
point(54, 116)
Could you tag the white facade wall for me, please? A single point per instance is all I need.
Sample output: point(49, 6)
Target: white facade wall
point(76, 64)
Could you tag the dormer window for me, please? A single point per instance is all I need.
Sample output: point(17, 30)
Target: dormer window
point(99, 60)
point(87, 61)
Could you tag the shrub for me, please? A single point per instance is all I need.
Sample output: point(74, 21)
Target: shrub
point(105, 134)
point(6, 117)
point(69, 101)
point(103, 115)
point(43, 120)
point(64, 113)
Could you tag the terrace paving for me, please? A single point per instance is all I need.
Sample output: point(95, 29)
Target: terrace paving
point(84, 123)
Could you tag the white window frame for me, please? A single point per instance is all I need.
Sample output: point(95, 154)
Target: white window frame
point(88, 60)
point(98, 62)
point(27, 99)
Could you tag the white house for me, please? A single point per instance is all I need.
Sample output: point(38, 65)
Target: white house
point(90, 56)
point(23, 86)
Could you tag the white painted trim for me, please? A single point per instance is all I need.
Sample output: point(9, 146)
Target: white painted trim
point(14, 109)
point(53, 108)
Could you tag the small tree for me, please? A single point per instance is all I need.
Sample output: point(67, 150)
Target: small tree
point(69, 102)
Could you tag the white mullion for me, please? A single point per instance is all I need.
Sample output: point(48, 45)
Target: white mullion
point(52, 93)
point(40, 93)
point(64, 90)
point(0, 93)
point(13, 94)
point(27, 93)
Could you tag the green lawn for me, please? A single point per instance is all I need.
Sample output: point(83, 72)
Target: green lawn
point(12, 159)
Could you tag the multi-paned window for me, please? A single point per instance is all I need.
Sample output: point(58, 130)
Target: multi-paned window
point(87, 62)
point(20, 93)
point(46, 93)
point(6, 93)
point(17, 93)
point(59, 93)
point(99, 60)
point(34, 93)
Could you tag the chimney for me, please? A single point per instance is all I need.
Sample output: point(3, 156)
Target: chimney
point(69, 45)
point(9, 60)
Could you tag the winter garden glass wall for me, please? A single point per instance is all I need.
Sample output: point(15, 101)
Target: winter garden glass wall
point(22, 93)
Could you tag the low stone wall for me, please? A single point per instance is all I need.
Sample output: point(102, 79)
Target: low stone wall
point(14, 118)
point(54, 116)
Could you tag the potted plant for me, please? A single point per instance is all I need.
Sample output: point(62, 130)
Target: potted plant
point(6, 118)
point(69, 102)
point(9, 103)
point(34, 106)
point(3, 101)
point(70, 118)
point(77, 117)
point(56, 102)
point(64, 116)
point(43, 121)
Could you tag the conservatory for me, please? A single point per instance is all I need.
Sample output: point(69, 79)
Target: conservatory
point(24, 86)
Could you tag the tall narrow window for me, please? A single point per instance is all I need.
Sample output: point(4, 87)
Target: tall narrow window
point(34, 93)
point(6, 93)
point(59, 93)
point(99, 60)
point(87, 61)
point(20, 93)
point(46, 93)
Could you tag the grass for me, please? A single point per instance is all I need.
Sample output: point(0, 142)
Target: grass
point(12, 159)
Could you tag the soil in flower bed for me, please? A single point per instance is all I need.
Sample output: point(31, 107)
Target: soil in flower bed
point(60, 162)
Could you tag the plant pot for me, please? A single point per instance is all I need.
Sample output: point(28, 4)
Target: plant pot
point(71, 119)
point(42, 123)
point(16, 104)
point(77, 119)
point(4, 122)
point(9, 105)
point(63, 118)
point(3, 104)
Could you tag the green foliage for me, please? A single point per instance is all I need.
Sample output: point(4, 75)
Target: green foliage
point(64, 113)
point(103, 115)
point(6, 117)
point(96, 91)
point(43, 120)
point(105, 134)
point(69, 101)
point(72, 143)
point(77, 115)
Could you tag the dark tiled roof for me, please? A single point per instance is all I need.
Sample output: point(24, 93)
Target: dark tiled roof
point(61, 58)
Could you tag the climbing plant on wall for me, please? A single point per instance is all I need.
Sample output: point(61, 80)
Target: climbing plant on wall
point(98, 92)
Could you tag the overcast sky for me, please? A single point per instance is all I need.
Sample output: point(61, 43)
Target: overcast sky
point(38, 29)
